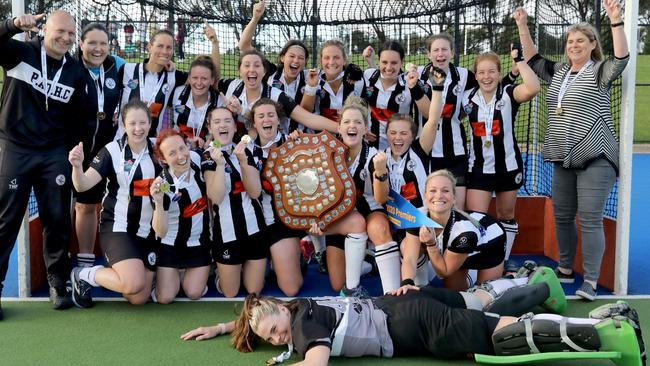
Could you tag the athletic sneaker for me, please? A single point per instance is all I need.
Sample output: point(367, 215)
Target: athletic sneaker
point(60, 298)
point(526, 269)
point(358, 291)
point(565, 278)
point(586, 291)
point(80, 290)
point(622, 308)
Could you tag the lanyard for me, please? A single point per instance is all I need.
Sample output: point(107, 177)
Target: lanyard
point(48, 91)
point(99, 86)
point(486, 111)
point(192, 120)
point(152, 97)
point(277, 138)
point(133, 167)
point(182, 181)
point(566, 83)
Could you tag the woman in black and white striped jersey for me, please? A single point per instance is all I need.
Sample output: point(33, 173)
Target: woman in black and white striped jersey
point(238, 221)
point(581, 138)
point(191, 102)
point(467, 240)
point(495, 163)
point(389, 91)
point(125, 232)
point(180, 220)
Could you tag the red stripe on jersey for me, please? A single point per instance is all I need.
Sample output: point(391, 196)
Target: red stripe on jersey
point(447, 110)
point(141, 187)
point(409, 191)
point(196, 207)
point(478, 128)
point(381, 114)
point(238, 188)
point(155, 109)
point(330, 113)
point(186, 130)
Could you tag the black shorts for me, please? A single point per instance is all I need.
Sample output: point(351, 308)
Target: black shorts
point(488, 257)
point(421, 325)
point(501, 182)
point(94, 195)
point(457, 166)
point(336, 241)
point(277, 231)
point(239, 251)
point(121, 246)
point(177, 257)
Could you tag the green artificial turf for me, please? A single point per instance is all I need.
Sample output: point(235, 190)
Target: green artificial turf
point(116, 333)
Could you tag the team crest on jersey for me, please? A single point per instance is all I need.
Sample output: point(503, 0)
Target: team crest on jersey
point(260, 165)
point(462, 242)
point(151, 258)
point(519, 177)
point(277, 84)
point(132, 84)
point(96, 160)
point(400, 98)
point(363, 175)
point(468, 108)
point(110, 83)
point(411, 165)
point(370, 90)
point(425, 86)
point(457, 90)
point(60, 179)
point(165, 88)
point(499, 105)
point(227, 168)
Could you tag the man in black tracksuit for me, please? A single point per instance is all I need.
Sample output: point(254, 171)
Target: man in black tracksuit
point(39, 122)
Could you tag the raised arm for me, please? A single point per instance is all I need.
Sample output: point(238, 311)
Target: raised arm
point(249, 174)
point(309, 97)
point(81, 180)
point(422, 102)
point(369, 55)
point(521, 18)
point(428, 136)
point(619, 40)
point(215, 55)
point(380, 188)
point(313, 121)
point(444, 264)
point(160, 221)
point(246, 39)
point(215, 180)
point(530, 87)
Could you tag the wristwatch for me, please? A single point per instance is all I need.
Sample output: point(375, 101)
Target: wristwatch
point(381, 178)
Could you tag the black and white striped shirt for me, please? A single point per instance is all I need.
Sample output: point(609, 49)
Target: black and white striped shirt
point(328, 103)
point(384, 103)
point(408, 175)
point(259, 157)
point(189, 221)
point(450, 138)
point(235, 87)
point(132, 85)
point(362, 170)
point(585, 130)
point(126, 206)
point(493, 150)
point(237, 216)
point(189, 119)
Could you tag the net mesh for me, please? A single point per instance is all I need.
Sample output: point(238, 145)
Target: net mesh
point(477, 26)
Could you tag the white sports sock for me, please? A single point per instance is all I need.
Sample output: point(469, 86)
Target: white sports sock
point(88, 275)
point(85, 259)
point(355, 251)
point(365, 268)
point(512, 229)
point(387, 258)
point(422, 271)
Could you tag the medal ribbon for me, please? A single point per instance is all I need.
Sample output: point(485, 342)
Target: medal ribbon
point(566, 83)
point(48, 91)
point(396, 170)
point(129, 175)
point(486, 113)
point(151, 98)
point(99, 86)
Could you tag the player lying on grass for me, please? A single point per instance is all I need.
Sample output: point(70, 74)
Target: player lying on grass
point(415, 321)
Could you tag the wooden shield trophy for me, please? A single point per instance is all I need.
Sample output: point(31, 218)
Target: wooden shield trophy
point(311, 182)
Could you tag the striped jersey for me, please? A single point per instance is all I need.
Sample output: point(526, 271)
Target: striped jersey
point(493, 146)
point(362, 170)
point(408, 174)
point(259, 156)
point(189, 119)
point(349, 326)
point(464, 236)
point(328, 103)
point(155, 90)
point(236, 88)
point(294, 89)
point(383, 103)
point(126, 206)
point(585, 130)
point(450, 137)
point(237, 216)
point(187, 207)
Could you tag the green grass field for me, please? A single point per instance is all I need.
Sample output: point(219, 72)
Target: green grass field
point(116, 333)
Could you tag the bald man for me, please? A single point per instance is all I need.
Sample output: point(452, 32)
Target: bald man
point(41, 115)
